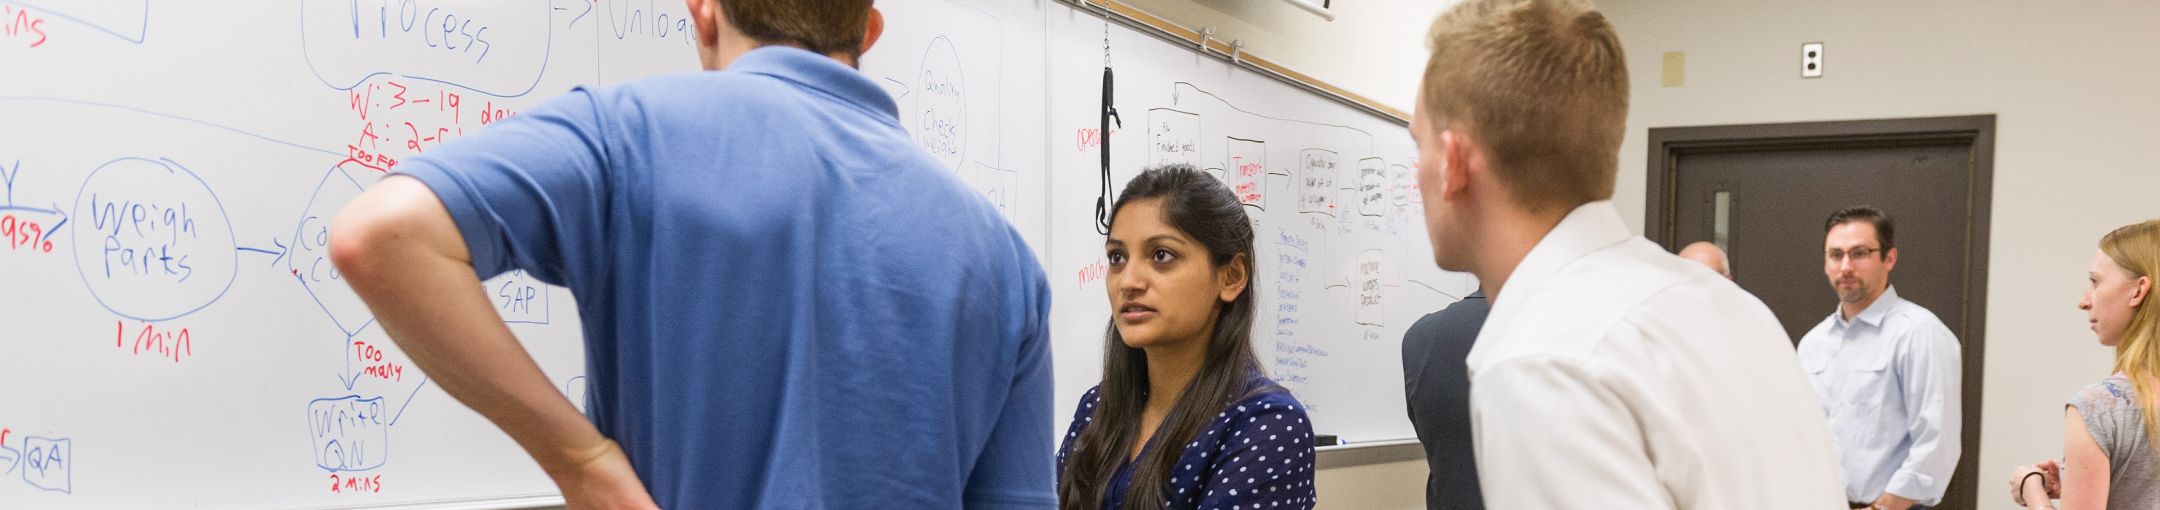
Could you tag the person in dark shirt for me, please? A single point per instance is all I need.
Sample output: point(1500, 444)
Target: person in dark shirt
point(1184, 418)
point(1438, 388)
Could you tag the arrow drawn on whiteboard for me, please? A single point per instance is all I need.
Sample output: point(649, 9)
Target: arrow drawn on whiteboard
point(904, 90)
point(347, 376)
point(10, 457)
point(8, 174)
point(580, 16)
point(49, 231)
point(1435, 291)
point(279, 252)
point(349, 381)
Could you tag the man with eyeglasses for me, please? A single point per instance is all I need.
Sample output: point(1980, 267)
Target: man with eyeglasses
point(1886, 370)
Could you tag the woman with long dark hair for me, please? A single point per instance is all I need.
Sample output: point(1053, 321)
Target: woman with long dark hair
point(1183, 418)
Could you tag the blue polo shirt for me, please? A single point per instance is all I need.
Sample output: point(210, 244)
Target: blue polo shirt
point(785, 302)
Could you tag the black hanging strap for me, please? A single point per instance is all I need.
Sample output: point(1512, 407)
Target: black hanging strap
point(1109, 114)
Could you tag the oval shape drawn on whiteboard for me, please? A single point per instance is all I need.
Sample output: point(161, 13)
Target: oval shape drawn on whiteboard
point(941, 104)
point(151, 240)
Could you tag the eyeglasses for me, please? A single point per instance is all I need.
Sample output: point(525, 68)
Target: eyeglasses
point(1857, 254)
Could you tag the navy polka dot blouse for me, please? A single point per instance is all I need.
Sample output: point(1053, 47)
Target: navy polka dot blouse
point(1257, 454)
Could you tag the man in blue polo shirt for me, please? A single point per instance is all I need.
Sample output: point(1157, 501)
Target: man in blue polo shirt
point(785, 302)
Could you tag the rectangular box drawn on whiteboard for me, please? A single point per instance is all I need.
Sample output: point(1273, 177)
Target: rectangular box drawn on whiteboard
point(1369, 285)
point(1316, 181)
point(1246, 171)
point(1372, 188)
point(351, 433)
point(1173, 137)
point(519, 298)
point(1405, 185)
point(49, 463)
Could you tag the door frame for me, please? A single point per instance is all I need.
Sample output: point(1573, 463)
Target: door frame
point(1667, 145)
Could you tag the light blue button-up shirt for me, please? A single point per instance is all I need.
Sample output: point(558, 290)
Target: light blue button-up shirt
point(1889, 381)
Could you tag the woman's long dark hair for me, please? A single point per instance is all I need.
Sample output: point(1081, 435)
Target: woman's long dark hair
point(1204, 209)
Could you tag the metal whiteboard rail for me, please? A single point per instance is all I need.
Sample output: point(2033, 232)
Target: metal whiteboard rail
point(1377, 452)
point(1317, 10)
point(1230, 52)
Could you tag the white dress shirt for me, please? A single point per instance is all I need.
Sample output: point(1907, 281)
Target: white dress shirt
point(1612, 374)
point(1888, 381)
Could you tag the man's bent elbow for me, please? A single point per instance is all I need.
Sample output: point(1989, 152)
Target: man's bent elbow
point(368, 236)
point(355, 236)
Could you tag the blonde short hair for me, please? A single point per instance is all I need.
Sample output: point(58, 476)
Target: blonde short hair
point(1542, 85)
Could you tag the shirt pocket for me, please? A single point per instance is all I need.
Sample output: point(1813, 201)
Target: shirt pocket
point(1870, 384)
point(1817, 366)
point(1813, 362)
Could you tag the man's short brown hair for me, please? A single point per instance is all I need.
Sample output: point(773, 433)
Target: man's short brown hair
point(828, 27)
point(1885, 230)
point(1542, 85)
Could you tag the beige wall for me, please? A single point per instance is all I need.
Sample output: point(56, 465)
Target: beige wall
point(2072, 86)
point(1392, 485)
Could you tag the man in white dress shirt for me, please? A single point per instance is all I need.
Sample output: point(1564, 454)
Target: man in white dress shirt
point(1887, 371)
point(1610, 374)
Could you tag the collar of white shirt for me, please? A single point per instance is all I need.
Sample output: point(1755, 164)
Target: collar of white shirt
point(1873, 315)
point(1590, 227)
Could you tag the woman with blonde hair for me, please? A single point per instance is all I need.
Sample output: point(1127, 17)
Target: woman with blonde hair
point(2111, 427)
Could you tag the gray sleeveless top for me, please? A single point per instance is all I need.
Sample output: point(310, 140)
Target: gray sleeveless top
point(2117, 423)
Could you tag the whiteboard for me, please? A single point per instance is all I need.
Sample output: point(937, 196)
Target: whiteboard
point(1343, 266)
point(172, 332)
point(174, 336)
